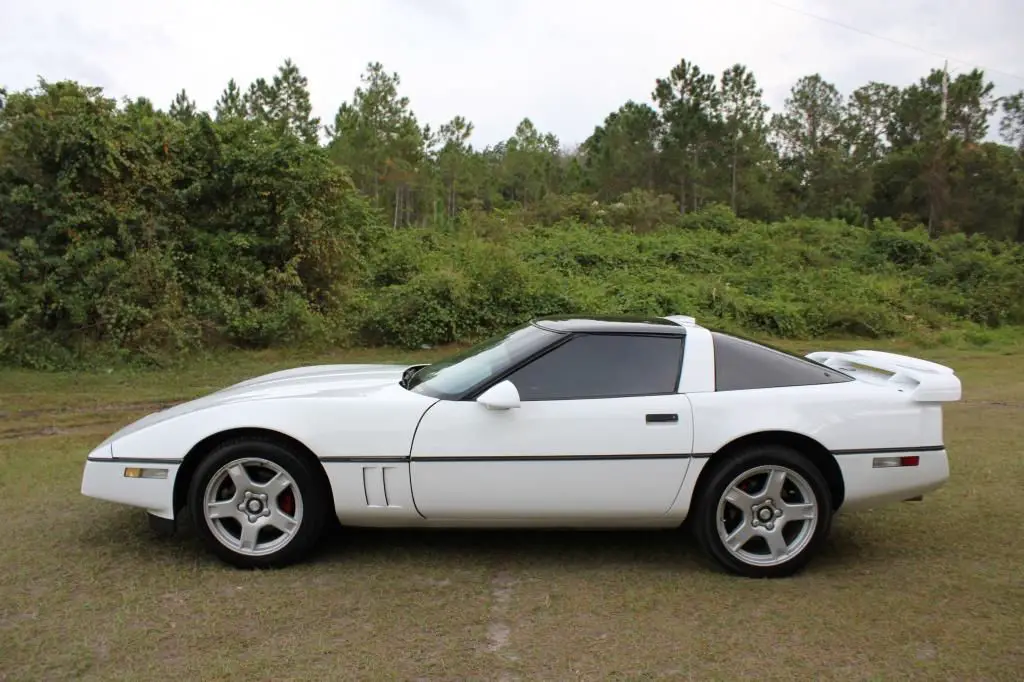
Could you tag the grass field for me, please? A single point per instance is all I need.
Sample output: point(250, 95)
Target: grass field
point(932, 590)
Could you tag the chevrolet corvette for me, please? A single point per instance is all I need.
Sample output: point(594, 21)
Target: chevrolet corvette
point(563, 422)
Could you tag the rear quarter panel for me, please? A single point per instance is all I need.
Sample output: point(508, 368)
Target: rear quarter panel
point(845, 416)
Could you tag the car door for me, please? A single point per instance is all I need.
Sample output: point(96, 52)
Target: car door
point(600, 434)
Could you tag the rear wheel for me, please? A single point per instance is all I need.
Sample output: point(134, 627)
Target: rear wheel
point(763, 512)
point(257, 504)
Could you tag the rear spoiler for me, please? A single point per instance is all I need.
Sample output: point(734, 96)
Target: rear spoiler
point(926, 381)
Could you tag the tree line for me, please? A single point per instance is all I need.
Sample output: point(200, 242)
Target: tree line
point(918, 154)
point(909, 153)
point(132, 229)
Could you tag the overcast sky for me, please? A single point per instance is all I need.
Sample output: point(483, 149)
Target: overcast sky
point(564, 63)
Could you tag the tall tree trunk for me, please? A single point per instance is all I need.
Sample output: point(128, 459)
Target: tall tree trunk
point(936, 190)
point(693, 180)
point(931, 215)
point(1020, 217)
point(735, 153)
point(398, 198)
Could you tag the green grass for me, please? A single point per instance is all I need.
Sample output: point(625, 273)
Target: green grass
point(933, 590)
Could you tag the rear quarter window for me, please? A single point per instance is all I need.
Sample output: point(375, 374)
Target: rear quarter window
point(741, 364)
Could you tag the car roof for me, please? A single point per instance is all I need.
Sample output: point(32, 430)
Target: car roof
point(622, 324)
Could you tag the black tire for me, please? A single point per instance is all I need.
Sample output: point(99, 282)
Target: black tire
point(805, 535)
point(310, 503)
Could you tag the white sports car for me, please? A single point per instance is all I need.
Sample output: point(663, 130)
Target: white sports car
point(563, 422)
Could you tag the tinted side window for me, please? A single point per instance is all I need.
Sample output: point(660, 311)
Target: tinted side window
point(741, 364)
point(603, 366)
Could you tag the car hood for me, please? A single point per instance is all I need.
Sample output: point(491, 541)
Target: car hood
point(335, 381)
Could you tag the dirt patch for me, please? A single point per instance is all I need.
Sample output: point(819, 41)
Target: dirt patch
point(151, 405)
point(49, 431)
point(70, 421)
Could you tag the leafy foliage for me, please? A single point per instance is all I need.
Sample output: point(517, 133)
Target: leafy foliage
point(131, 230)
point(151, 233)
point(801, 278)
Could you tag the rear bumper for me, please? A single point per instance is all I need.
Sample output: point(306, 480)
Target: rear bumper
point(104, 479)
point(868, 486)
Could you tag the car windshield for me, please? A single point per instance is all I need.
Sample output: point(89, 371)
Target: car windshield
point(453, 377)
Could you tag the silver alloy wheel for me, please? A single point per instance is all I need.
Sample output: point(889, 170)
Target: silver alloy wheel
point(767, 515)
point(253, 506)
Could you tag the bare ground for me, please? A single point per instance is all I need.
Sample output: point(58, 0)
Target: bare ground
point(932, 590)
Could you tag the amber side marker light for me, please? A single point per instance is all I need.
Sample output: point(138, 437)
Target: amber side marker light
point(888, 462)
point(138, 472)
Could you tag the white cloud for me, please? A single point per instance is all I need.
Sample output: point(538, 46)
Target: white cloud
point(564, 63)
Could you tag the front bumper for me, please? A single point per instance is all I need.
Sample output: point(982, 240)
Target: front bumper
point(868, 486)
point(106, 479)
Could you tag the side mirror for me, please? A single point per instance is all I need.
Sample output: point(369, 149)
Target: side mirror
point(503, 396)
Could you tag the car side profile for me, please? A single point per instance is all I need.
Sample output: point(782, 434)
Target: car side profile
point(563, 422)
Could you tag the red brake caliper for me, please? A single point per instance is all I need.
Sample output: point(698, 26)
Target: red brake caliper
point(287, 502)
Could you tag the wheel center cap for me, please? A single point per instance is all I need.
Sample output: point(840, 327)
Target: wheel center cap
point(255, 506)
point(765, 514)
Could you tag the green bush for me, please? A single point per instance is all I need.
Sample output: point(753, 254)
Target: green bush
point(797, 279)
point(134, 233)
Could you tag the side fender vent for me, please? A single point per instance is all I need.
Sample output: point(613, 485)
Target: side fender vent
point(377, 481)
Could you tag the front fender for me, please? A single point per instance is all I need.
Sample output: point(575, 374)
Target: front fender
point(330, 427)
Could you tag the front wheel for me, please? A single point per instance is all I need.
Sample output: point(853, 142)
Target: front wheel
point(763, 512)
point(257, 504)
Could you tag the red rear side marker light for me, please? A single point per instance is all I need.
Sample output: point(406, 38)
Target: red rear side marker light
point(889, 462)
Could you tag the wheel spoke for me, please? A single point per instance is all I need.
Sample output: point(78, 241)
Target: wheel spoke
point(773, 487)
point(240, 478)
point(776, 543)
point(801, 511)
point(739, 537)
point(277, 485)
point(284, 523)
point(740, 499)
point(223, 509)
point(250, 533)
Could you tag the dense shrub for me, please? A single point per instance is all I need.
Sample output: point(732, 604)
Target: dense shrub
point(134, 230)
point(793, 279)
point(144, 234)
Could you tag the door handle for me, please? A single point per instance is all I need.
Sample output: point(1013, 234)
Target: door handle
point(662, 418)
